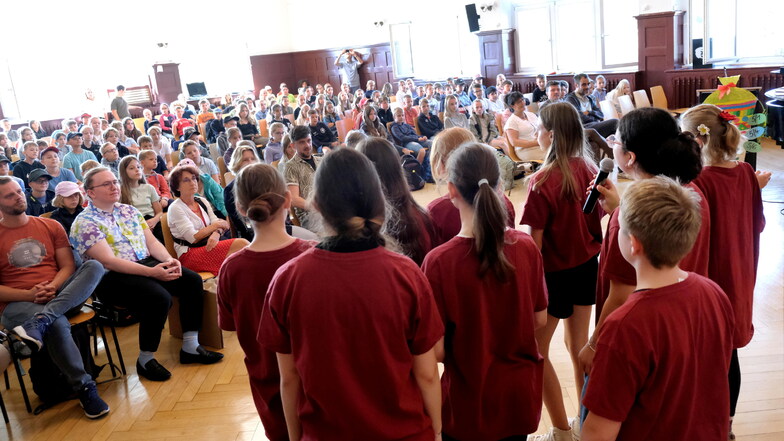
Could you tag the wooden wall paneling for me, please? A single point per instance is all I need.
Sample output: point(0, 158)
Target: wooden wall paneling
point(681, 85)
point(659, 46)
point(497, 53)
point(527, 83)
point(272, 70)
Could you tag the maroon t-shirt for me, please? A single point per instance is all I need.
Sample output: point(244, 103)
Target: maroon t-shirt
point(612, 265)
point(570, 236)
point(242, 284)
point(446, 218)
point(353, 322)
point(492, 382)
point(662, 361)
point(737, 218)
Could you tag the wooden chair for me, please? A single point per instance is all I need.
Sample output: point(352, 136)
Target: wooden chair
point(608, 109)
point(342, 132)
point(348, 114)
point(89, 314)
point(294, 218)
point(263, 130)
point(626, 104)
point(5, 361)
point(275, 164)
point(168, 242)
point(214, 151)
point(441, 116)
point(139, 123)
point(499, 122)
point(228, 177)
point(659, 98)
point(223, 170)
point(203, 131)
point(641, 99)
point(47, 139)
point(512, 152)
point(529, 97)
point(46, 215)
point(533, 108)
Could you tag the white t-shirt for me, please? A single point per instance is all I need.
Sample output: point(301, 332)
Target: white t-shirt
point(165, 150)
point(142, 197)
point(526, 129)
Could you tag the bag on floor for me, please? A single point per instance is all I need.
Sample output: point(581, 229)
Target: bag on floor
point(507, 167)
point(412, 169)
point(49, 383)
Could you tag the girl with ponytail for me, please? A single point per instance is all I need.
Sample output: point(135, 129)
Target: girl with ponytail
point(569, 240)
point(488, 282)
point(354, 324)
point(261, 196)
point(649, 143)
point(733, 191)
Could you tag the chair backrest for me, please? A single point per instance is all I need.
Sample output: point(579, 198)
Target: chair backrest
point(659, 98)
point(608, 110)
point(47, 139)
point(529, 97)
point(175, 157)
point(290, 117)
point(203, 131)
point(223, 170)
point(275, 164)
point(389, 125)
point(348, 114)
point(441, 116)
point(228, 177)
point(263, 131)
point(641, 99)
point(139, 123)
point(46, 215)
point(626, 104)
point(533, 108)
point(214, 151)
point(342, 131)
point(512, 153)
point(499, 122)
point(168, 239)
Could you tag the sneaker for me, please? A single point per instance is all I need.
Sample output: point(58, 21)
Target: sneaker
point(574, 423)
point(93, 405)
point(32, 331)
point(554, 434)
point(152, 371)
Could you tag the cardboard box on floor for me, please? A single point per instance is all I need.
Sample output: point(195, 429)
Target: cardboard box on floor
point(210, 334)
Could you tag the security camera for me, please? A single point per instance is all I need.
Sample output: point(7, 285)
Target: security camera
point(378, 24)
point(486, 7)
point(163, 44)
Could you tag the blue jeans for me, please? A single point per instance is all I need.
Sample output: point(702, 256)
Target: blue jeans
point(416, 147)
point(58, 340)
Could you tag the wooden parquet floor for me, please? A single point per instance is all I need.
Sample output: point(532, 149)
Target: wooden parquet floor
point(214, 402)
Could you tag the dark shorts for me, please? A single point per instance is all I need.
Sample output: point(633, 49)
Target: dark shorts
point(572, 286)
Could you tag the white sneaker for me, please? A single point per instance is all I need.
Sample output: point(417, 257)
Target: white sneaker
point(574, 423)
point(555, 434)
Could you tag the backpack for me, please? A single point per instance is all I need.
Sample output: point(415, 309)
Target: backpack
point(413, 172)
point(49, 383)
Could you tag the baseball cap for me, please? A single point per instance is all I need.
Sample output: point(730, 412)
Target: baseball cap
point(66, 188)
point(187, 133)
point(72, 135)
point(231, 118)
point(38, 174)
point(4, 159)
point(49, 149)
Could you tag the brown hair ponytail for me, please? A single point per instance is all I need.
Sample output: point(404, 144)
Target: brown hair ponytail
point(259, 191)
point(473, 170)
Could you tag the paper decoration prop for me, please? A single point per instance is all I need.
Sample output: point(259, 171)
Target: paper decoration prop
point(741, 104)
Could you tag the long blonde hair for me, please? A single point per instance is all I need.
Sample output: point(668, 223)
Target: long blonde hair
point(722, 142)
point(446, 142)
point(568, 142)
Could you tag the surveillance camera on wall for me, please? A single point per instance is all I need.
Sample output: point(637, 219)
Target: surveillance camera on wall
point(486, 7)
point(378, 24)
point(163, 44)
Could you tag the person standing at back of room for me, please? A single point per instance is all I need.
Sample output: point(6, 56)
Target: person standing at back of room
point(356, 355)
point(348, 69)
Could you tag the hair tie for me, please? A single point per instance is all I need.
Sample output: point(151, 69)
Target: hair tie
point(727, 116)
point(483, 181)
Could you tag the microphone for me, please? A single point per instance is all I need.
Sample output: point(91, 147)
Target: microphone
point(605, 168)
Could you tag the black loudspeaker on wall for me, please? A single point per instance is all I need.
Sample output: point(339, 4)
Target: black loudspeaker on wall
point(699, 55)
point(473, 17)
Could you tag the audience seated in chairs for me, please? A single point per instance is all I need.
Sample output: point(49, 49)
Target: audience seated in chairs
point(482, 125)
point(453, 117)
point(40, 284)
point(299, 173)
point(243, 156)
point(141, 276)
point(591, 116)
point(323, 138)
point(371, 125)
point(429, 123)
point(407, 142)
point(134, 190)
point(39, 197)
point(195, 228)
point(209, 188)
point(521, 129)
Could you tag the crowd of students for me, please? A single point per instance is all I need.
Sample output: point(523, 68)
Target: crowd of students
point(408, 287)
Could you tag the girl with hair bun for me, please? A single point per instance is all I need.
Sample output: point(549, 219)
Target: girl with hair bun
point(732, 189)
point(650, 144)
point(261, 195)
point(354, 324)
point(489, 286)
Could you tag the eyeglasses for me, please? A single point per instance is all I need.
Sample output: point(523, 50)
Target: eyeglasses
point(107, 185)
point(110, 150)
point(189, 180)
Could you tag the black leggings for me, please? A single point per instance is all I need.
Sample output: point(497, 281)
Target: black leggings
point(150, 300)
point(734, 378)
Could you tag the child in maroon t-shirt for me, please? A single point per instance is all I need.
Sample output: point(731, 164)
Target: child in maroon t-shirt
point(733, 192)
point(244, 278)
point(662, 358)
point(492, 299)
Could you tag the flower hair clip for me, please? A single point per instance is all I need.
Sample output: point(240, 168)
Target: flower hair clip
point(727, 116)
point(703, 129)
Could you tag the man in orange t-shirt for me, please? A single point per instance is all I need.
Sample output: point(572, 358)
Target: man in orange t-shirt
point(39, 283)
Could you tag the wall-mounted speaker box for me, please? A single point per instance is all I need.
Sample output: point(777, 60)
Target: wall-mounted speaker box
point(473, 17)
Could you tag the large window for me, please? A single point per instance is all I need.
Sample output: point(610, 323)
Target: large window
point(737, 32)
point(575, 35)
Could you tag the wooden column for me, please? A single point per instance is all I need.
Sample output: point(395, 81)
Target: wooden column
point(497, 53)
point(165, 82)
point(660, 46)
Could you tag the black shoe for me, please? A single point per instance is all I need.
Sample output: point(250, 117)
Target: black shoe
point(153, 371)
point(204, 356)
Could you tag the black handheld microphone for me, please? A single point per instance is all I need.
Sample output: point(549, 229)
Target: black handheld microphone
point(605, 168)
